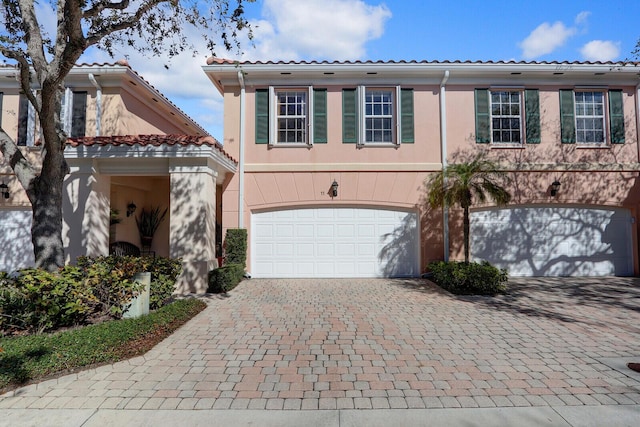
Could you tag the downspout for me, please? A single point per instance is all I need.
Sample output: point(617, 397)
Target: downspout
point(443, 150)
point(95, 84)
point(241, 160)
point(638, 117)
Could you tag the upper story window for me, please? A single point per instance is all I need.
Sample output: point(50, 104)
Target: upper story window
point(507, 117)
point(506, 120)
point(584, 116)
point(72, 116)
point(589, 108)
point(291, 116)
point(377, 115)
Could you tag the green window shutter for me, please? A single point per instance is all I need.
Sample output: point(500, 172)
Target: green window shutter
point(262, 116)
point(319, 116)
point(349, 116)
point(616, 117)
point(483, 118)
point(406, 116)
point(567, 120)
point(532, 113)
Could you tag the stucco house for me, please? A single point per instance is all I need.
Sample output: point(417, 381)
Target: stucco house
point(129, 146)
point(324, 164)
point(332, 157)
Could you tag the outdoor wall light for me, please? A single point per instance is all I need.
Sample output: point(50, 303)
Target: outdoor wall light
point(131, 208)
point(4, 189)
point(334, 189)
point(555, 186)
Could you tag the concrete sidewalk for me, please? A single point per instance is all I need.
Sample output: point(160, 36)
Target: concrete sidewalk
point(563, 416)
point(335, 352)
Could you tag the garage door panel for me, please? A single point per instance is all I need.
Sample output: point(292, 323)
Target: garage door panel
point(335, 242)
point(554, 240)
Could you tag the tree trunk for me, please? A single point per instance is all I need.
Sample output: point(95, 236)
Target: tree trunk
point(465, 230)
point(46, 230)
point(45, 190)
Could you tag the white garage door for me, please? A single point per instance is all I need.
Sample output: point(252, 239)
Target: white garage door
point(15, 239)
point(334, 242)
point(554, 240)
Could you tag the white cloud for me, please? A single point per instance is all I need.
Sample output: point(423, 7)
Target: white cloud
point(545, 39)
point(316, 29)
point(582, 17)
point(600, 50)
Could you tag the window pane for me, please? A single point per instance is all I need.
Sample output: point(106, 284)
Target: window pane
point(379, 115)
point(291, 117)
point(505, 116)
point(589, 117)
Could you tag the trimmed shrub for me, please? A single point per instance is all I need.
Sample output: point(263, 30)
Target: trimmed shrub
point(37, 300)
point(472, 278)
point(164, 273)
point(225, 278)
point(96, 289)
point(236, 246)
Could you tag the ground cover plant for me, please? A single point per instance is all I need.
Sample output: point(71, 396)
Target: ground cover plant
point(29, 358)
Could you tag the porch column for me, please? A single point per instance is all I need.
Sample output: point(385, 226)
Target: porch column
point(192, 229)
point(85, 211)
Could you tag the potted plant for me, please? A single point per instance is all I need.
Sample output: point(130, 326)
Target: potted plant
point(148, 222)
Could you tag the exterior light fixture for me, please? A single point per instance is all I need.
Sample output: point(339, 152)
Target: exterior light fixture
point(4, 190)
point(555, 186)
point(131, 208)
point(334, 189)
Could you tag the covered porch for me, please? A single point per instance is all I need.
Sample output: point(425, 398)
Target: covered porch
point(183, 174)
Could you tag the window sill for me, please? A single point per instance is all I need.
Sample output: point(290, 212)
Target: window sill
point(499, 145)
point(592, 146)
point(291, 145)
point(378, 144)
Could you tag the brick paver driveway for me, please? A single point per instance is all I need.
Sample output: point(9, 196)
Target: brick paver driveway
point(333, 344)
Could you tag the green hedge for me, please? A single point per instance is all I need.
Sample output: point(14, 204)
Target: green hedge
point(225, 278)
point(236, 246)
point(469, 278)
point(95, 289)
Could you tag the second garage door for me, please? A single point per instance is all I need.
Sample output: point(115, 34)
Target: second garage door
point(554, 240)
point(334, 242)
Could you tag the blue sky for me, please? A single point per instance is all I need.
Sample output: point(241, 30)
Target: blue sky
point(539, 30)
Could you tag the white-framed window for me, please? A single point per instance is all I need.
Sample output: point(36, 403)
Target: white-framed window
point(590, 117)
point(379, 118)
point(506, 117)
point(291, 116)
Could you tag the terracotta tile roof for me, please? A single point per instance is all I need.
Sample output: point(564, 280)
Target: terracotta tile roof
point(144, 140)
point(221, 61)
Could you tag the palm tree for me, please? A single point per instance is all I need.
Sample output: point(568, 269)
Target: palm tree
point(463, 183)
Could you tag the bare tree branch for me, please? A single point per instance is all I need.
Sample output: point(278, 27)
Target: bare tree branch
point(102, 5)
point(99, 33)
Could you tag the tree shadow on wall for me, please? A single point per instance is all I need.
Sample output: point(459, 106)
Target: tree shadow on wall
point(554, 241)
point(398, 254)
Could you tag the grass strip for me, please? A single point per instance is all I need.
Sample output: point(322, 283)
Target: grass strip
point(26, 359)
